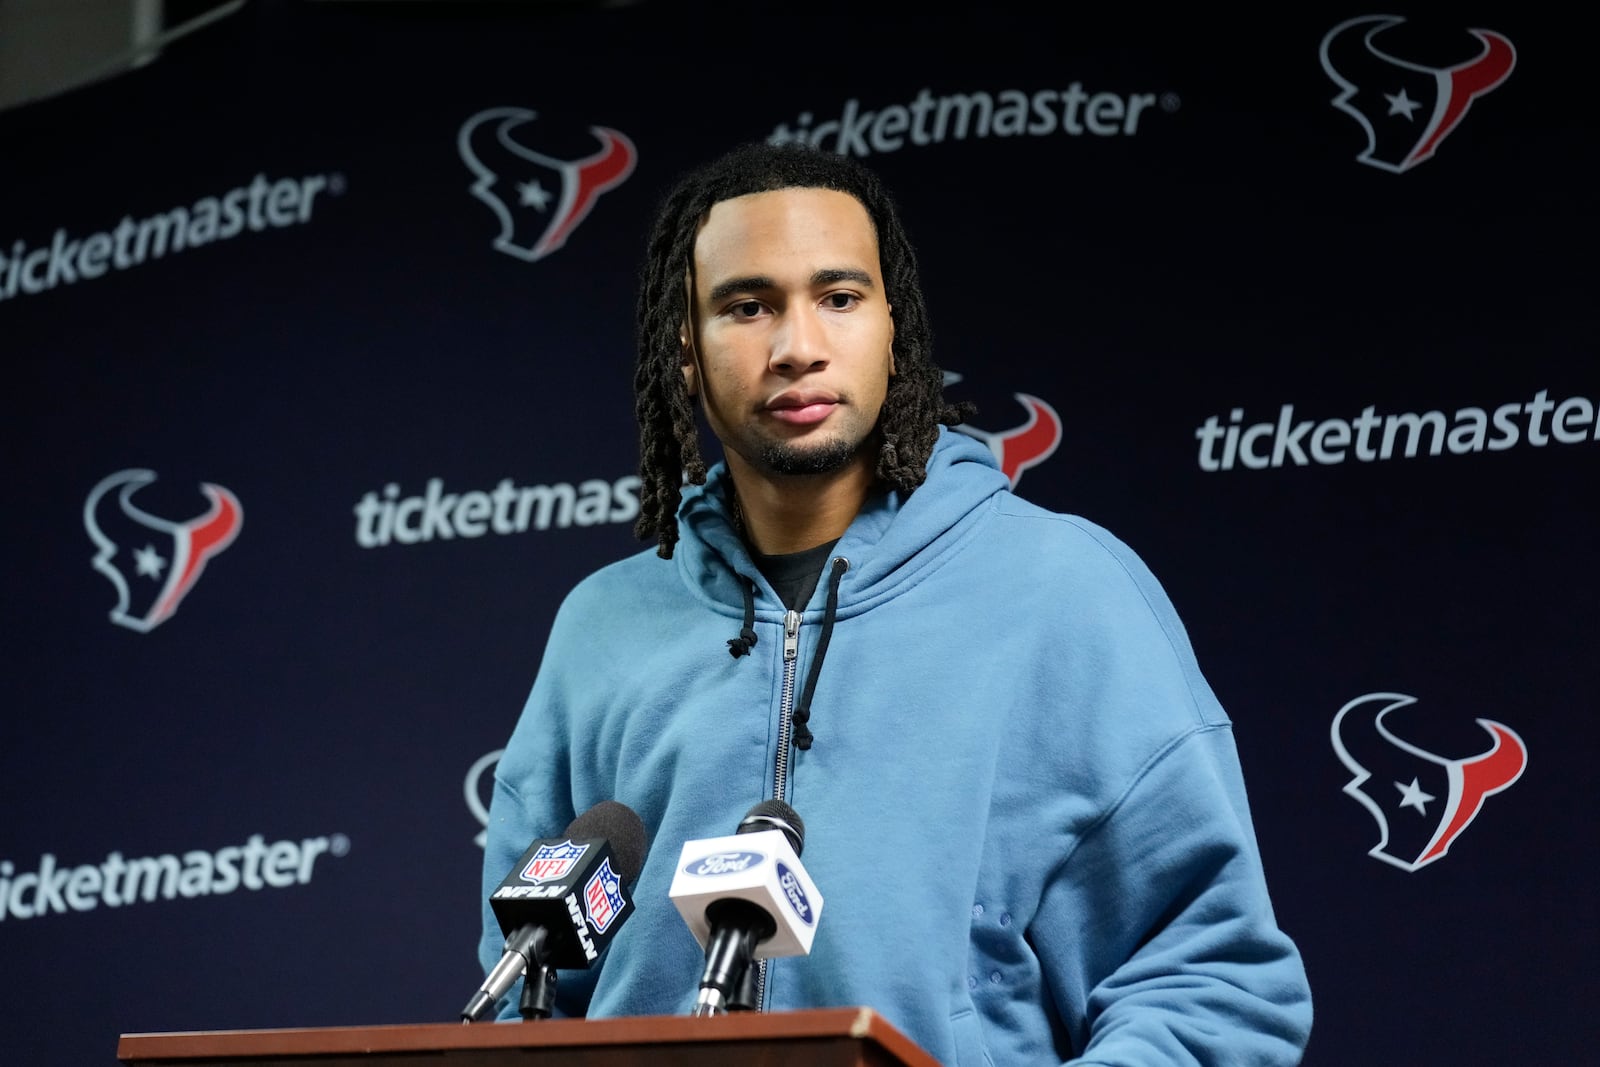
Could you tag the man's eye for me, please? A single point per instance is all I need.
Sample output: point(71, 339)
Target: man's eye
point(840, 301)
point(746, 309)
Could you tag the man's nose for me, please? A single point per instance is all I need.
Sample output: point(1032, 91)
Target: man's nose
point(799, 344)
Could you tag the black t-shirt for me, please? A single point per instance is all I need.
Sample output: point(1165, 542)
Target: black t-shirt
point(794, 574)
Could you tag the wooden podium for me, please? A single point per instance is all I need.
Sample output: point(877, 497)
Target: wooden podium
point(822, 1037)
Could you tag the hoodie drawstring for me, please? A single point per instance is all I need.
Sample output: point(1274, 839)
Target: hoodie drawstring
point(741, 645)
point(802, 711)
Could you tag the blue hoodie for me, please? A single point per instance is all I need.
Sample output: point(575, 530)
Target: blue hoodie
point(1022, 802)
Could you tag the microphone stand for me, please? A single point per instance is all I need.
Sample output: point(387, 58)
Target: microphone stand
point(745, 995)
point(728, 982)
point(524, 955)
point(538, 994)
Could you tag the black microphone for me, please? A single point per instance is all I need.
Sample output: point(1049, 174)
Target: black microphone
point(562, 904)
point(746, 897)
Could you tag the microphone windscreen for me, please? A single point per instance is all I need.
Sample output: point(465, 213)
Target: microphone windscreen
point(774, 814)
point(621, 826)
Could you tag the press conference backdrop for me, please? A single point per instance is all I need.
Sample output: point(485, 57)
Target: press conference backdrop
point(318, 348)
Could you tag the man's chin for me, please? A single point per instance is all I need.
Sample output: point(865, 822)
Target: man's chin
point(809, 458)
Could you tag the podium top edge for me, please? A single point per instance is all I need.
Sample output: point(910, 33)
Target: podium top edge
point(219, 1046)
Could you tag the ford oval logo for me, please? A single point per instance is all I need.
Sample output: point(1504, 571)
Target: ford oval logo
point(725, 863)
point(796, 893)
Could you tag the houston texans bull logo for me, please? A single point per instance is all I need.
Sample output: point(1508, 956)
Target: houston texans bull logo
point(1421, 801)
point(1023, 446)
point(153, 562)
point(540, 195)
point(1406, 108)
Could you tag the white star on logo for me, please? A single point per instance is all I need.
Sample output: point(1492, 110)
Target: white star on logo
point(1401, 104)
point(1412, 796)
point(149, 561)
point(534, 195)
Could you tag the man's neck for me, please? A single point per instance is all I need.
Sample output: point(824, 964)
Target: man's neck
point(791, 513)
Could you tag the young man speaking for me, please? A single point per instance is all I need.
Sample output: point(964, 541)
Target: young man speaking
point(1022, 802)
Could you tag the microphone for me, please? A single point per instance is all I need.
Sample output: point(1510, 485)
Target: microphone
point(562, 903)
point(746, 897)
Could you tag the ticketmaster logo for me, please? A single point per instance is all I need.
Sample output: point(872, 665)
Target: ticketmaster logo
point(51, 888)
point(1371, 436)
point(930, 119)
point(386, 518)
point(263, 204)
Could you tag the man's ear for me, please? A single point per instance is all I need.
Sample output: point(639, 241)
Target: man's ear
point(691, 383)
point(891, 341)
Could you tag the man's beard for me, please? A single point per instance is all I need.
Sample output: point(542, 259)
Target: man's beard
point(780, 457)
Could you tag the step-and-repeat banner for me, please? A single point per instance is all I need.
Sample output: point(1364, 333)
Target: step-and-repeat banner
point(317, 338)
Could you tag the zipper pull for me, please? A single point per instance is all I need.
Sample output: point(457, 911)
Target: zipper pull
point(791, 635)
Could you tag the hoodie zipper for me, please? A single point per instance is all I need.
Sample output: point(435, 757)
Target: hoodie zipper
point(780, 771)
point(791, 658)
point(786, 709)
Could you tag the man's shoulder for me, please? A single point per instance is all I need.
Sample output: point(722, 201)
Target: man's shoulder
point(1067, 546)
point(622, 580)
point(1065, 529)
point(641, 565)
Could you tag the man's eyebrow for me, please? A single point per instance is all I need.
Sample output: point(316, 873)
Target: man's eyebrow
point(835, 275)
point(757, 282)
point(750, 284)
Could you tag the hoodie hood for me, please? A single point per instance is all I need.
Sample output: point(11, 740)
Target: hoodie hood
point(894, 537)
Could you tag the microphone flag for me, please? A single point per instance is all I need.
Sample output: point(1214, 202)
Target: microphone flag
point(760, 867)
point(571, 886)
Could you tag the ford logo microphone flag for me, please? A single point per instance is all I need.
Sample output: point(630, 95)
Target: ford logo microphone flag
point(746, 897)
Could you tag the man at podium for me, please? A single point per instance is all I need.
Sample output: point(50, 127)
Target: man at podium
point(1021, 799)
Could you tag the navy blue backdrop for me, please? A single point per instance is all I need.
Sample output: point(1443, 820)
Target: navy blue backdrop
point(318, 335)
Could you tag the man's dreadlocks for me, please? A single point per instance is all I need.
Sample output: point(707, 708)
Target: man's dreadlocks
point(669, 444)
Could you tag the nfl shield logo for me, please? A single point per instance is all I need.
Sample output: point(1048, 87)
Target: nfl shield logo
point(603, 896)
point(552, 862)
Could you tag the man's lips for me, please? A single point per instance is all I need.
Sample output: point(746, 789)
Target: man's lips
point(803, 409)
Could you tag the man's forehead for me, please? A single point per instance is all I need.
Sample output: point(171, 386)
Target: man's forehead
point(803, 228)
point(826, 192)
